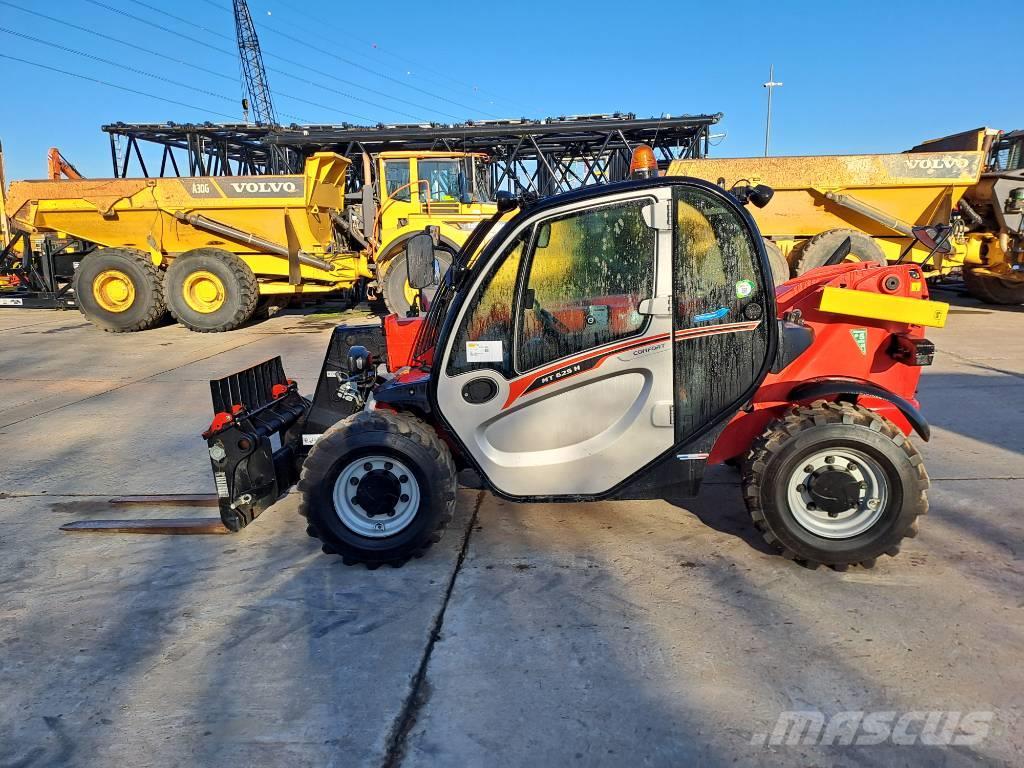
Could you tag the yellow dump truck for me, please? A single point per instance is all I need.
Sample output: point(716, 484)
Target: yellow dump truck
point(878, 201)
point(209, 249)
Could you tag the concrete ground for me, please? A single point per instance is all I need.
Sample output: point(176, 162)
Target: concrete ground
point(630, 633)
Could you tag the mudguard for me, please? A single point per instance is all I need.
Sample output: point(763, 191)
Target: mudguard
point(828, 388)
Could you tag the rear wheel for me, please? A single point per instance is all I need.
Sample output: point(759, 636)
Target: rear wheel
point(835, 484)
point(378, 488)
point(394, 283)
point(993, 289)
point(816, 251)
point(210, 290)
point(778, 263)
point(119, 290)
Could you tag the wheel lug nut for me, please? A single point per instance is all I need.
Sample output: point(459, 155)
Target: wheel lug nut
point(801, 488)
point(830, 459)
point(403, 479)
point(808, 469)
point(833, 514)
point(404, 497)
point(391, 513)
point(354, 481)
point(852, 467)
point(862, 485)
point(367, 466)
point(812, 506)
point(388, 465)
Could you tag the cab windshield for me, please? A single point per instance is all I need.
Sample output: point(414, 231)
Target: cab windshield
point(453, 180)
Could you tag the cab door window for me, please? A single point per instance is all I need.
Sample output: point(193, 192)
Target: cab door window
point(722, 310)
point(588, 273)
point(485, 338)
point(397, 178)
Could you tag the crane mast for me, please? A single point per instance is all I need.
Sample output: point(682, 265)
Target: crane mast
point(254, 75)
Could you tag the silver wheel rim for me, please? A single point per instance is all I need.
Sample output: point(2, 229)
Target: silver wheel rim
point(871, 505)
point(359, 520)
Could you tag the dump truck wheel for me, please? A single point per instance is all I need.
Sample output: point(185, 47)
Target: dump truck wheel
point(119, 290)
point(209, 290)
point(816, 251)
point(778, 263)
point(835, 484)
point(993, 289)
point(378, 488)
point(394, 283)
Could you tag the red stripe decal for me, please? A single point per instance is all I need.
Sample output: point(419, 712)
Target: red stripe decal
point(588, 361)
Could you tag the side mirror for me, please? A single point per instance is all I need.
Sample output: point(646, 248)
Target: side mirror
point(761, 195)
point(420, 261)
point(506, 200)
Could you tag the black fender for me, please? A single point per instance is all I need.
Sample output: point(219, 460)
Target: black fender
point(822, 389)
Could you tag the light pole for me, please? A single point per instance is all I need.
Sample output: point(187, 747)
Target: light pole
point(771, 85)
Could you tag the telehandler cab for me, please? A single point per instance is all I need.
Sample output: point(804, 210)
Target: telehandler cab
point(604, 343)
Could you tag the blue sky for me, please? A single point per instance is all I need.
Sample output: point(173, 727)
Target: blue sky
point(859, 76)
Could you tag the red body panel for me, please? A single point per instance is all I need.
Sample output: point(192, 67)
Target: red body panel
point(400, 335)
point(835, 352)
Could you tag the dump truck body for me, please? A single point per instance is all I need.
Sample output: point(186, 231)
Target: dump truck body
point(289, 234)
point(153, 215)
point(882, 196)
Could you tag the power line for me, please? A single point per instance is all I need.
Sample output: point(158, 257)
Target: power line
point(327, 75)
point(119, 65)
point(297, 40)
point(119, 41)
point(374, 72)
point(114, 85)
point(151, 53)
point(161, 27)
point(477, 91)
point(419, 65)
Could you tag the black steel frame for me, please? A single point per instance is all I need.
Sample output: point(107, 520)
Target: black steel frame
point(540, 156)
point(42, 284)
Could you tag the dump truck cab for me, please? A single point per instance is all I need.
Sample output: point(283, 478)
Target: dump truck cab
point(447, 190)
point(605, 343)
point(993, 214)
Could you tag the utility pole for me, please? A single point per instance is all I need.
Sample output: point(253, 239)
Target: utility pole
point(771, 85)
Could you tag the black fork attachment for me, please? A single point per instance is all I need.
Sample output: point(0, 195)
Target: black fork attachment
point(253, 440)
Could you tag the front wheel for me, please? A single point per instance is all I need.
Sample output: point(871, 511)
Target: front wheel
point(378, 488)
point(119, 290)
point(835, 484)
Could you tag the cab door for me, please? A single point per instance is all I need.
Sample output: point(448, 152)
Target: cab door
point(561, 376)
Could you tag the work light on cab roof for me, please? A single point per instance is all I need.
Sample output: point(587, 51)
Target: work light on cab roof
point(643, 164)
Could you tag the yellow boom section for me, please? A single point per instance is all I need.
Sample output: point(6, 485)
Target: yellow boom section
point(880, 306)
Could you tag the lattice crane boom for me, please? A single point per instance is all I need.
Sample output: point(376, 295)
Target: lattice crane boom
point(254, 74)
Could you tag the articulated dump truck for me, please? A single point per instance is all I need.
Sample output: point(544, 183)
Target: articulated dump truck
point(954, 203)
point(212, 250)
